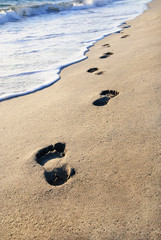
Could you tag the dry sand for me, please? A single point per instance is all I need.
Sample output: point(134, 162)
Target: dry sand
point(114, 149)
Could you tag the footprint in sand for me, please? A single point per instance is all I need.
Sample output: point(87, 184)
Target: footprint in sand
point(106, 45)
point(108, 94)
point(99, 73)
point(59, 175)
point(127, 26)
point(61, 172)
point(106, 55)
point(91, 70)
point(125, 36)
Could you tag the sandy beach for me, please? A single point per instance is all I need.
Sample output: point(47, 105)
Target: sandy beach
point(104, 184)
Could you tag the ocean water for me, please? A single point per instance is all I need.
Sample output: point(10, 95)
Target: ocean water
point(38, 38)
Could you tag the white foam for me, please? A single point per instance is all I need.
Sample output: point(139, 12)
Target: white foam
point(34, 51)
point(20, 12)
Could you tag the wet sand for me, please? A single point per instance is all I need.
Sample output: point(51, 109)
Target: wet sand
point(101, 182)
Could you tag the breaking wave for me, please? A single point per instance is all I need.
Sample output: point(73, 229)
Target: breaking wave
point(16, 13)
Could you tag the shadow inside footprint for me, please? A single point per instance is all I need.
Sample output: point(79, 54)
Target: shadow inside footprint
point(106, 55)
point(49, 156)
point(51, 152)
point(42, 152)
point(125, 36)
point(60, 148)
point(104, 100)
point(60, 175)
point(101, 101)
point(91, 70)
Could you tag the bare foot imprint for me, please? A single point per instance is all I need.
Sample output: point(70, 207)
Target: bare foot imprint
point(108, 94)
point(99, 73)
point(105, 55)
point(53, 151)
point(59, 175)
point(91, 70)
point(125, 36)
point(127, 26)
point(106, 45)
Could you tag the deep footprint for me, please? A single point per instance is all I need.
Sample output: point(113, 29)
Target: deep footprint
point(106, 55)
point(104, 100)
point(42, 152)
point(50, 152)
point(101, 101)
point(91, 70)
point(60, 175)
point(60, 148)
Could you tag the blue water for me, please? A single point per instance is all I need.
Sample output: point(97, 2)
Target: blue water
point(38, 38)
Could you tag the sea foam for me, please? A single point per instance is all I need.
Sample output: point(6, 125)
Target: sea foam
point(22, 11)
point(35, 49)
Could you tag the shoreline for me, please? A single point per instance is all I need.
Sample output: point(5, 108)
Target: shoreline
point(109, 165)
point(84, 57)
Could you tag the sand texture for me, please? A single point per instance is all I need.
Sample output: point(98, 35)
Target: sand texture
point(101, 182)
